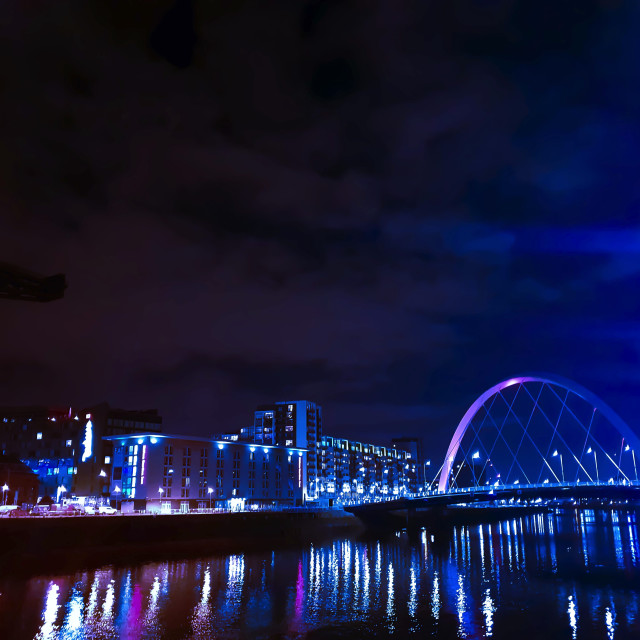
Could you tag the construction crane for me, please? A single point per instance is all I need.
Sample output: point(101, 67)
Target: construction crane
point(20, 284)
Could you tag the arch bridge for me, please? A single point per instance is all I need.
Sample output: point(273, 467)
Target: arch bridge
point(536, 436)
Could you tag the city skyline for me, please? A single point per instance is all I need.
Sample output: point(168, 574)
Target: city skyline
point(386, 217)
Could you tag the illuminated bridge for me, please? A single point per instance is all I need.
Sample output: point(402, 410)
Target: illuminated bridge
point(533, 438)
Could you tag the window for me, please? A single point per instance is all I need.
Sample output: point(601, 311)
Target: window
point(39, 435)
point(107, 459)
point(68, 443)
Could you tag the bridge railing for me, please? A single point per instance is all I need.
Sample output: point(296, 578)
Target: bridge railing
point(501, 487)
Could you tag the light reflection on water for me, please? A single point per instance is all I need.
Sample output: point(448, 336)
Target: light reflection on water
point(481, 581)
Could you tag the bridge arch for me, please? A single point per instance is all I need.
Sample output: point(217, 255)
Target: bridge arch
point(558, 386)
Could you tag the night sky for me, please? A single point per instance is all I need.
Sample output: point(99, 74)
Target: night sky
point(382, 206)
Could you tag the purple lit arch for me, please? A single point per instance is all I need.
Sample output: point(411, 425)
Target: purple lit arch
point(568, 385)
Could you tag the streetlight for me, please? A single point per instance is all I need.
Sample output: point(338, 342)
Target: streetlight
point(595, 457)
point(555, 453)
point(210, 491)
point(5, 488)
point(117, 491)
point(633, 454)
point(103, 473)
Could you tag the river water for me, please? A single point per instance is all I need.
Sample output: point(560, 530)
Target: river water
point(573, 575)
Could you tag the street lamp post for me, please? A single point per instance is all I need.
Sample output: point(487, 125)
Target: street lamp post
point(117, 491)
point(427, 463)
point(477, 480)
point(555, 453)
point(5, 488)
point(595, 457)
point(210, 491)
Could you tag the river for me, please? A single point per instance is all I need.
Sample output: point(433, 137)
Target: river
point(572, 575)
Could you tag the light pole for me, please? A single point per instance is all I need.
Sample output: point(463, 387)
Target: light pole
point(595, 457)
point(555, 453)
point(117, 491)
point(475, 456)
point(210, 491)
point(5, 488)
point(427, 463)
point(633, 455)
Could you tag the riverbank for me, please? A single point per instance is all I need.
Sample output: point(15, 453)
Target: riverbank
point(45, 545)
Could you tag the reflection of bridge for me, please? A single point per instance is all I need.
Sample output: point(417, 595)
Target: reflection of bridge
point(533, 438)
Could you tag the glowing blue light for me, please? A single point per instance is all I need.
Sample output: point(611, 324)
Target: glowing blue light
point(154, 440)
point(87, 443)
point(252, 449)
point(220, 445)
point(140, 440)
point(265, 450)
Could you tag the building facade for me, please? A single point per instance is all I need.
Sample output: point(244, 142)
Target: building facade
point(415, 447)
point(292, 423)
point(163, 473)
point(356, 472)
point(65, 447)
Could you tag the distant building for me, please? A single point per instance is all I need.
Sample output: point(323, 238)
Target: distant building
point(65, 447)
point(415, 447)
point(159, 472)
point(352, 471)
point(288, 423)
point(19, 485)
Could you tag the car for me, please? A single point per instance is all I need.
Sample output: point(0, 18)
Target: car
point(107, 510)
point(90, 510)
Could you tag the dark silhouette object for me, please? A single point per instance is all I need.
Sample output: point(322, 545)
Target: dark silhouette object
point(22, 483)
point(174, 37)
point(20, 284)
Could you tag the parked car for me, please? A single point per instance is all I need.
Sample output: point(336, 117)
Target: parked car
point(107, 510)
point(8, 509)
point(90, 510)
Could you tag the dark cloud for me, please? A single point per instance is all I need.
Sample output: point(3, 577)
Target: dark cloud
point(371, 205)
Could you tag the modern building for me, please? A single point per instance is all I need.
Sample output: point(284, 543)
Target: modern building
point(65, 446)
point(163, 473)
point(414, 446)
point(292, 423)
point(355, 472)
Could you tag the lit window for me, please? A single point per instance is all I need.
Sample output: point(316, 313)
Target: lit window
point(107, 459)
point(39, 435)
point(68, 443)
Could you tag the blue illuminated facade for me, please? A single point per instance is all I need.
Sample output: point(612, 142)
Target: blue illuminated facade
point(161, 472)
point(65, 446)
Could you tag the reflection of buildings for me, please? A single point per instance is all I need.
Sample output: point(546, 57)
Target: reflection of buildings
point(157, 472)
point(64, 447)
point(355, 471)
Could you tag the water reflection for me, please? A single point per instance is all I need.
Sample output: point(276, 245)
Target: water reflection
point(469, 582)
point(48, 629)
